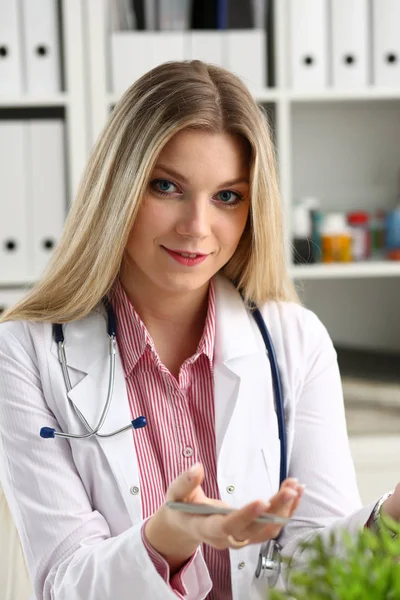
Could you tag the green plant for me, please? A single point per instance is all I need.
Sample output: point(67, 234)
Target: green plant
point(367, 568)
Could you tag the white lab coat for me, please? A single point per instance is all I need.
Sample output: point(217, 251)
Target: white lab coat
point(74, 502)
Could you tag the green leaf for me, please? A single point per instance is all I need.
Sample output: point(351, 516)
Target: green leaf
point(367, 567)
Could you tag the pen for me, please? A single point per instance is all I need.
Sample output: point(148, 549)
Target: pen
point(209, 509)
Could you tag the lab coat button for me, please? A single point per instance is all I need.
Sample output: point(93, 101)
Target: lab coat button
point(230, 489)
point(188, 452)
point(241, 565)
point(134, 490)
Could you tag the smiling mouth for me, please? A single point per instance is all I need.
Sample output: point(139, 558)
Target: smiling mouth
point(186, 254)
point(186, 259)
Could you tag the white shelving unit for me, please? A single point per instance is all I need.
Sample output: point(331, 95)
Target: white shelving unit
point(312, 128)
point(74, 98)
point(73, 104)
point(285, 101)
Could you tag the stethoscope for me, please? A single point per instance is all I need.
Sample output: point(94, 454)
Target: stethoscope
point(269, 560)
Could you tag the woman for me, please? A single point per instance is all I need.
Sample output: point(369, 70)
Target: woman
point(178, 211)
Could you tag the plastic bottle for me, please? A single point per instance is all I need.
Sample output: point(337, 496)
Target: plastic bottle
point(393, 234)
point(336, 239)
point(359, 227)
point(378, 233)
point(314, 206)
point(303, 250)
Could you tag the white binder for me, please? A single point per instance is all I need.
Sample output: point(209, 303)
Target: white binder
point(246, 56)
point(47, 189)
point(308, 28)
point(386, 42)
point(135, 53)
point(206, 45)
point(14, 225)
point(350, 43)
point(42, 46)
point(11, 79)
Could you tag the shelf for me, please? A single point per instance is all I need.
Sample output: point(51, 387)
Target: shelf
point(17, 282)
point(347, 270)
point(268, 95)
point(27, 101)
point(333, 95)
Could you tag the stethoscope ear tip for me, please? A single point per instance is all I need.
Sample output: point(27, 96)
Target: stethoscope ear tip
point(47, 432)
point(139, 422)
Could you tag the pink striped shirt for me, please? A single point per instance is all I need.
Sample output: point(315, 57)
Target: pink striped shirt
point(180, 431)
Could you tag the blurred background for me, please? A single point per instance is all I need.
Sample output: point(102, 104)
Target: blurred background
point(327, 73)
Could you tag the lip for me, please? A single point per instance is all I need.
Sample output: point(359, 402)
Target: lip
point(185, 260)
point(178, 251)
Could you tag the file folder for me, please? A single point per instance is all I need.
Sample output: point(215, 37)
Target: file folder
point(47, 189)
point(42, 46)
point(350, 43)
point(308, 39)
point(386, 42)
point(11, 78)
point(14, 231)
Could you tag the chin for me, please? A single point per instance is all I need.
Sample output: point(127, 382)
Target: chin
point(183, 283)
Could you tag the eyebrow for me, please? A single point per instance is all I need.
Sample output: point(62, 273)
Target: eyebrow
point(177, 175)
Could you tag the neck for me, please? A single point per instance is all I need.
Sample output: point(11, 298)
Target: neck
point(184, 313)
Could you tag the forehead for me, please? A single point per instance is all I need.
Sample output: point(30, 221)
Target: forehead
point(204, 149)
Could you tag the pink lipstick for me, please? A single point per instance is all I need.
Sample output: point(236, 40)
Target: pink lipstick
point(188, 259)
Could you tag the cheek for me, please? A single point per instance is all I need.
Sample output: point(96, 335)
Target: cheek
point(233, 231)
point(150, 222)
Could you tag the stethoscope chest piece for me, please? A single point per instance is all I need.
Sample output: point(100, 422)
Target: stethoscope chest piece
point(269, 562)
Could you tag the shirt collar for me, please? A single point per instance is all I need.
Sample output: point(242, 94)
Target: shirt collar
point(133, 337)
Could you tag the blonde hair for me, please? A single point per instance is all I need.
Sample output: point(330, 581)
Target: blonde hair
point(171, 97)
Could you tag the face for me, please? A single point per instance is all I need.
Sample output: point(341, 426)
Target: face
point(193, 214)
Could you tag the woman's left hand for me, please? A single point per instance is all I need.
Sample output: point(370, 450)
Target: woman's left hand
point(391, 506)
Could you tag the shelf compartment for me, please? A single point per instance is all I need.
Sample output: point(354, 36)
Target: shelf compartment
point(346, 270)
point(33, 101)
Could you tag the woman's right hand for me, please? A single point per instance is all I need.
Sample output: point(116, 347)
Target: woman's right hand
point(176, 535)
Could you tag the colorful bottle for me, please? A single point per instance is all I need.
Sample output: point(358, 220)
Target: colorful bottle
point(336, 239)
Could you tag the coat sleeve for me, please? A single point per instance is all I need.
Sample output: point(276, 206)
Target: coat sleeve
point(68, 547)
point(320, 456)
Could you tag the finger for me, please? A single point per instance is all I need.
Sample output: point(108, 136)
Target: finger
point(243, 525)
point(290, 482)
point(300, 490)
point(283, 505)
point(185, 485)
point(238, 522)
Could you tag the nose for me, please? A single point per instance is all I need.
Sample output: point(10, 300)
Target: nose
point(195, 217)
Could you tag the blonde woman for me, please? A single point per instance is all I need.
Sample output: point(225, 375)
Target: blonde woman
point(178, 223)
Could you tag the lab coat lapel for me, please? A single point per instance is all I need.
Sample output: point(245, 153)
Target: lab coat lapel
point(87, 351)
point(233, 339)
point(245, 417)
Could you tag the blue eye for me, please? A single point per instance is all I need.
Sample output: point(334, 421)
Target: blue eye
point(229, 197)
point(163, 186)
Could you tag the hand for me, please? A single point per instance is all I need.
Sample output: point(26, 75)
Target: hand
point(391, 506)
point(176, 535)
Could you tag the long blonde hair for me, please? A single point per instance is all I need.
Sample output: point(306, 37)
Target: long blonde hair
point(171, 97)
